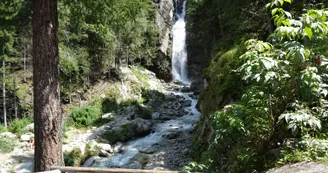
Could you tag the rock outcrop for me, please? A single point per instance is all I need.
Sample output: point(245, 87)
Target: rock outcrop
point(164, 21)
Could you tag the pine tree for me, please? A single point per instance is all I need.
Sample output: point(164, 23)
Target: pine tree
point(47, 112)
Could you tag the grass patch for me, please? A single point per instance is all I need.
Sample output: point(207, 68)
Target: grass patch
point(138, 72)
point(6, 145)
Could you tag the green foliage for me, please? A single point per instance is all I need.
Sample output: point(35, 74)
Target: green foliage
point(17, 126)
point(144, 111)
point(109, 104)
point(284, 96)
point(306, 149)
point(138, 71)
point(3, 129)
point(225, 82)
point(195, 167)
point(213, 22)
point(73, 158)
point(237, 138)
point(6, 145)
point(76, 157)
point(114, 32)
point(85, 116)
point(113, 136)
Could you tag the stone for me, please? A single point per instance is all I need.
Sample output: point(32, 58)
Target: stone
point(106, 147)
point(148, 150)
point(29, 127)
point(118, 148)
point(26, 166)
point(90, 161)
point(185, 152)
point(8, 135)
point(108, 116)
point(173, 135)
point(198, 86)
point(302, 167)
point(135, 165)
point(176, 106)
point(155, 115)
point(27, 136)
point(187, 103)
point(103, 153)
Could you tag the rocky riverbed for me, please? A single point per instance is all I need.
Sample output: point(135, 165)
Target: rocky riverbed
point(156, 134)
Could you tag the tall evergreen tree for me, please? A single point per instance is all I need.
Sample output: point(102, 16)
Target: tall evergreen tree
point(47, 112)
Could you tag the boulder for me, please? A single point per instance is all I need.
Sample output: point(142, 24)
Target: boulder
point(90, 161)
point(27, 136)
point(187, 103)
point(135, 165)
point(26, 166)
point(155, 115)
point(108, 116)
point(172, 135)
point(106, 147)
point(302, 167)
point(151, 150)
point(103, 153)
point(8, 135)
point(186, 89)
point(29, 127)
point(198, 86)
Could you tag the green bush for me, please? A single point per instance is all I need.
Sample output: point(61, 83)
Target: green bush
point(73, 158)
point(76, 158)
point(108, 104)
point(113, 136)
point(17, 126)
point(195, 167)
point(6, 145)
point(3, 129)
point(86, 116)
point(144, 112)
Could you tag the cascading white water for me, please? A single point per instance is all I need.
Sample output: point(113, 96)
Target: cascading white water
point(179, 52)
point(183, 124)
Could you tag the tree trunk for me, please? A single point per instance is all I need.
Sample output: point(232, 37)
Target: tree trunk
point(24, 60)
point(47, 111)
point(4, 92)
point(15, 99)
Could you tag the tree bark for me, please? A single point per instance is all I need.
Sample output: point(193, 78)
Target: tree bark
point(4, 92)
point(47, 111)
point(15, 99)
point(24, 60)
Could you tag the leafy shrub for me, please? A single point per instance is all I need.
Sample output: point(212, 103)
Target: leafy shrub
point(144, 112)
point(285, 97)
point(113, 136)
point(195, 167)
point(108, 104)
point(76, 158)
point(3, 129)
point(17, 126)
point(73, 158)
point(86, 116)
point(306, 149)
point(238, 139)
point(6, 145)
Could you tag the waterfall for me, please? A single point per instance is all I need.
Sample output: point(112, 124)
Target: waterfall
point(179, 52)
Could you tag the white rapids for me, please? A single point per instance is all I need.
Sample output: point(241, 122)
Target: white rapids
point(179, 52)
point(183, 124)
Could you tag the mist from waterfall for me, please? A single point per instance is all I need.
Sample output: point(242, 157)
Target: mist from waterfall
point(179, 52)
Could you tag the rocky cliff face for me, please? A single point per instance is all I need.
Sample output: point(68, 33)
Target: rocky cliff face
point(164, 21)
